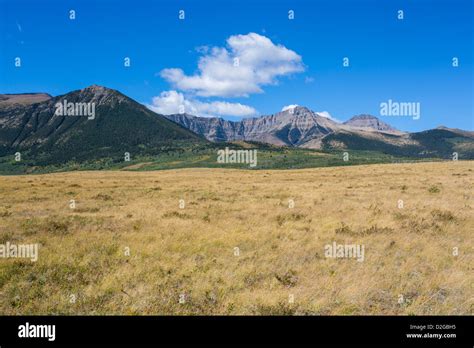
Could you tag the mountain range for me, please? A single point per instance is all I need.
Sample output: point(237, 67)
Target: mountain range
point(29, 123)
point(297, 126)
point(304, 128)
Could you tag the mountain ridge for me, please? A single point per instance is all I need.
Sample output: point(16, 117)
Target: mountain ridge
point(298, 126)
point(304, 128)
point(290, 127)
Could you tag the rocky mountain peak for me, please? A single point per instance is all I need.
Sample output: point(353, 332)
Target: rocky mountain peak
point(369, 122)
point(95, 94)
point(97, 89)
point(297, 111)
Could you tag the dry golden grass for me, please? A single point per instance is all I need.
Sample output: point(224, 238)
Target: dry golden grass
point(191, 251)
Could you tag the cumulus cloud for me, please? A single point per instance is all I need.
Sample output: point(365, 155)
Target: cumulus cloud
point(327, 115)
point(247, 63)
point(173, 102)
point(319, 113)
point(288, 107)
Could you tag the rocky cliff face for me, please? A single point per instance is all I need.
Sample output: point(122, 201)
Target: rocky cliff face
point(292, 127)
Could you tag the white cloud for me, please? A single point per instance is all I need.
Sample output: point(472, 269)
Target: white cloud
point(327, 115)
point(173, 102)
point(320, 113)
point(324, 114)
point(242, 68)
point(288, 107)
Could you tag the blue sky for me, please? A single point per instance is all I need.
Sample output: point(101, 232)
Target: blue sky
point(407, 60)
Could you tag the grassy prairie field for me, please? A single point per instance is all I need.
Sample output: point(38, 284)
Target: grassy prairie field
point(239, 246)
